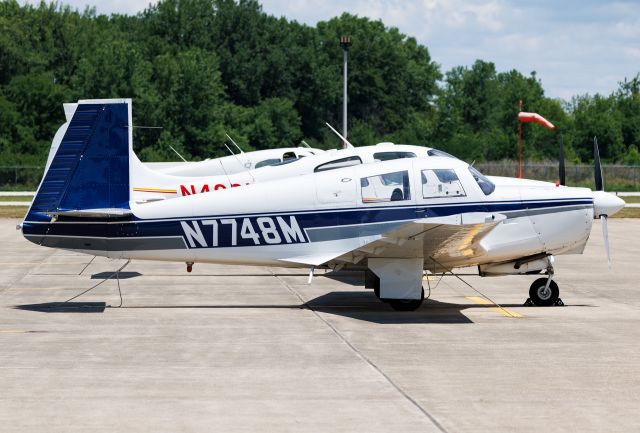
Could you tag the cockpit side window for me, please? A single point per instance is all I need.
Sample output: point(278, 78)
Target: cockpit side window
point(289, 155)
point(268, 162)
point(388, 156)
point(339, 163)
point(439, 183)
point(484, 183)
point(386, 187)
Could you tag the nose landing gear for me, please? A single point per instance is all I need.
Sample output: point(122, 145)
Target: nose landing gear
point(544, 292)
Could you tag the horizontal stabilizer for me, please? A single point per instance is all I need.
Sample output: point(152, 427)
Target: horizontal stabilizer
point(94, 213)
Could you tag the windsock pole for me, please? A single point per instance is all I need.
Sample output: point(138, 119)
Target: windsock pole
point(526, 118)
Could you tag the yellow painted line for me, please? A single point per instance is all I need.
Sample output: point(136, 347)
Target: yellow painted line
point(165, 191)
point(501, 310)
point(13, 331)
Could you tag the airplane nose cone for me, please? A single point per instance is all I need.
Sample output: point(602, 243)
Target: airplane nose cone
point(605, 203)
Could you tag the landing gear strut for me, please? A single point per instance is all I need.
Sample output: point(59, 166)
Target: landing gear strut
point(544, 292)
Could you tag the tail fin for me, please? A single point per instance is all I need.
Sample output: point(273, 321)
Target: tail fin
point(89, 174)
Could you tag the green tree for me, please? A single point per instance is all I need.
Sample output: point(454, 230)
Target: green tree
point(597, 116)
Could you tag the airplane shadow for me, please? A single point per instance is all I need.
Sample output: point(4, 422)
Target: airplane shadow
point(359, 305)
point(64, 307)
point(123, 275)
point(365, 306)
point(100, 307)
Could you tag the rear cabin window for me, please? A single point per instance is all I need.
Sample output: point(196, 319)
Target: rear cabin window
point(386, 187)
point(441, 183)
point(267, 162)
point(388, 156)
point(339, 163)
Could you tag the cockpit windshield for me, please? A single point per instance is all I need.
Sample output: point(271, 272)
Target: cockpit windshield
point(436, 152)
point(484, 183)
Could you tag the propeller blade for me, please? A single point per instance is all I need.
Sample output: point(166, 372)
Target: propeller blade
point(597, 167)
point(561, 171)
point(605, 236)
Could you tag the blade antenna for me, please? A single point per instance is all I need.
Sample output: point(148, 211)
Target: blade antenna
point(177, 153)
point(306, 144)
point(238, 160)
point(234, 143)
point(344, 140)
point(230, 151)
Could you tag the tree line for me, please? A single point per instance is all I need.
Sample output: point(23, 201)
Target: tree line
point(202, 68)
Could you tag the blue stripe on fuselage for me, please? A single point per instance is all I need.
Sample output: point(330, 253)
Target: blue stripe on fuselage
point(133, 227)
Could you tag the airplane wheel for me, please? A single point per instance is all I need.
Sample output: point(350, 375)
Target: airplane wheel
point(541, 297)
point(406, 304)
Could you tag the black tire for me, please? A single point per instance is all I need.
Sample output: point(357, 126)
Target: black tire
point(369, 279)
point(406, 304)
point(376, 285)
point(539, 297)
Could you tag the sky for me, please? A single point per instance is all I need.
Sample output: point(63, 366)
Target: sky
point(575, 47)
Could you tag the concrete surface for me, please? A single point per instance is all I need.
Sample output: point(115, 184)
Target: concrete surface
point(235, 349)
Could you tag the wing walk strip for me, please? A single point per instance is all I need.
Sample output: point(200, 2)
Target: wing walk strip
point(363, 357)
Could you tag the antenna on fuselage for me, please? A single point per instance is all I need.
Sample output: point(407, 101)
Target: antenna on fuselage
point(305, 144)
point(230, 151)
point(236, 157)
point(344, 140)
point(177, 153)
point(234, 143)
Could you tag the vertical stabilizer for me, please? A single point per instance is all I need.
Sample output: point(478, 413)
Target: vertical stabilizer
point(90, 169)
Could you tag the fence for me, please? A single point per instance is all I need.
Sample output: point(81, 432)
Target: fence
point(616, 177)
point(20, 177)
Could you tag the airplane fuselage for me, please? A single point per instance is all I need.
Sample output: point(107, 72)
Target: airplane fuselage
point(327, 215)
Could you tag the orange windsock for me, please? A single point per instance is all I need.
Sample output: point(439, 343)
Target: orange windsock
point(534, 117)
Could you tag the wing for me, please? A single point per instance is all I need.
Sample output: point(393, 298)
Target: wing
point(451, 241)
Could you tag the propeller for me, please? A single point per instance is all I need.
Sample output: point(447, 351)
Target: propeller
point(561, 172)
point(597, 166)
point(604, 204)
point(605, 235)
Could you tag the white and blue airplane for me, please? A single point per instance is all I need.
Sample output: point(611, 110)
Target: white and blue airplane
point(150, 185)
point(395, 219)
point(234, 163)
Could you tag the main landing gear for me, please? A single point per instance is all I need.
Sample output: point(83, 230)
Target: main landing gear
point(405, 304)
point(397, 304)
point(397, 282)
